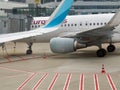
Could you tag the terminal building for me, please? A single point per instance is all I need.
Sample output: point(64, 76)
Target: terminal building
point(79, 6)
point(83, 6)
point(10, 23)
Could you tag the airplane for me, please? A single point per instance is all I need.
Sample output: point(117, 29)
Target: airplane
point(73, 33)
point(81, 31)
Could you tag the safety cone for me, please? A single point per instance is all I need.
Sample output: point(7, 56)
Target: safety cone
point(103, 69)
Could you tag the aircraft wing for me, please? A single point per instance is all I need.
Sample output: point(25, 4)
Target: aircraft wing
point(53, 24)
point(97, 33)
point(22, 35)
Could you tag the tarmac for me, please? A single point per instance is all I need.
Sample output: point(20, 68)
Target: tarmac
point(44, 70)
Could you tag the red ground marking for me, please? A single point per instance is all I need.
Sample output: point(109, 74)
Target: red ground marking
point(81, 85)
point(7, 58)
point(39, 82)
point(111, 82)
point(67, 82)
point(53, 82)
point(21, 58)
point(28, 58)
point(26, 81)
point(96, 82)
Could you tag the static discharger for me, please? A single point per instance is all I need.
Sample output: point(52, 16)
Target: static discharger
point(103, 69)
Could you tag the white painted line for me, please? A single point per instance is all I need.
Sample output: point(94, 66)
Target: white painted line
point(13, 76)
point(81, 84)
point(26, 81)
point(96, 83)
point(40, 82)
point(15, 70)
point(66, 86)
point(53, 82)
point(112, 85)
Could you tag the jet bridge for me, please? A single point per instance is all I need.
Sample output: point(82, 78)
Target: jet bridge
point(15, 23)
point(3, 25)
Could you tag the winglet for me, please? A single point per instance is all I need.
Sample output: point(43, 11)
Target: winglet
point(59, 14)
point(115, 21)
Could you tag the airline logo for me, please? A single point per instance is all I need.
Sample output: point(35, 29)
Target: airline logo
point(43, 22)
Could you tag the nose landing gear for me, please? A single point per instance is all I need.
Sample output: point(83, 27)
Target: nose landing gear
point(101, 52)
point(29, 51)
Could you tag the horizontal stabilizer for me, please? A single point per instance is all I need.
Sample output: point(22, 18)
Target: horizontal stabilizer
point(115, 21)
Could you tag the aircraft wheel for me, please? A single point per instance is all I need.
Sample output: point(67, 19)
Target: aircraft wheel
point(111, 48)
point(101, 52)
point(29, 52)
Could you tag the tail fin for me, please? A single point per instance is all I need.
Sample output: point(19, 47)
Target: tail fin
point(59, 14)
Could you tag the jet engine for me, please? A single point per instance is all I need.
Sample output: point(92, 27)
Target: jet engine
point(65, 45)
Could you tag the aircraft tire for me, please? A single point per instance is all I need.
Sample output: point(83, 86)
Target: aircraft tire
point(29, 52)
point(101, 52)
point(111, 48)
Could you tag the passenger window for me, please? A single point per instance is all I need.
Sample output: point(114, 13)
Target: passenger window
point(32, 26)
point(71, 24)
point(35, 26)
point(75, 24)
point(68, 25)
point(93, 23)
point(80, 24)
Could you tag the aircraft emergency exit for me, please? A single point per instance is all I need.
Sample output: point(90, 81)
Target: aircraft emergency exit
point(73, 33)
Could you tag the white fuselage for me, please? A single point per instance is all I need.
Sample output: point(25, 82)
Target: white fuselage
point(75, 23)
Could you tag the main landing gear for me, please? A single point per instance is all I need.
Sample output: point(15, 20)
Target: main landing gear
point(29, 51)
point(102, 52)
point(111, 48)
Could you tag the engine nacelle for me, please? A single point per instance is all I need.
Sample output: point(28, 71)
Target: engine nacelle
point(65, 45)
